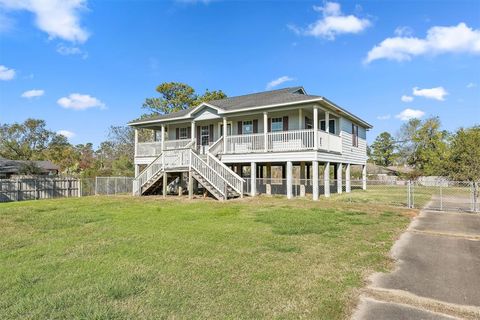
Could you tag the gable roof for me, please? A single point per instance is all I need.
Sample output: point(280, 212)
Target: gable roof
point(239, 103)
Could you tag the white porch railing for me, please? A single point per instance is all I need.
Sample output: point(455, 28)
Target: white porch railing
point(148, 149)
point(216, 147)
point(295, 140)
point(176, 144)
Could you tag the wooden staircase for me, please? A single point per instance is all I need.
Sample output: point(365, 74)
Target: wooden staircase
point(219, 180)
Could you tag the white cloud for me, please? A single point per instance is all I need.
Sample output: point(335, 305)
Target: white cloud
point(471, 85)
point(272, 84)
point(403, 31)
point(408, 114)
point(406, 98)
point(33, 93)
point(58, 18)
point(454, 39)
point(6, 73)
point(71, 50)
point(66, 133)
point(385, 117)
point(77, 101)
point(332, 23)
point(437, 93)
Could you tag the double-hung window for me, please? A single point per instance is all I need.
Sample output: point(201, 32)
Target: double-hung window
point(247, 127)
point(183, 133)
point(277, 124)
point(331, 125)
point(354, 135)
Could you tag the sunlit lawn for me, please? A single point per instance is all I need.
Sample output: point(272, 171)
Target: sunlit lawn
point(125, 258)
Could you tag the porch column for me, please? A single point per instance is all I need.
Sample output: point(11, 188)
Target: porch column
point(315, 128)
point(265, 131)
point(268, 187)
point(136, 141)
point(302, 178)
point(225, 135)
point(315, 180)
point(348, 186)
point(364, 177)
point(253, 178)
point(326, 179)
point(327, 128)
point(193, 131)
point(339, 178)
point(163, 136)
point(289, 179)
point(300, 119)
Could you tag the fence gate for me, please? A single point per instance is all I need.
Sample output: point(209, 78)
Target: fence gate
point(460, 196)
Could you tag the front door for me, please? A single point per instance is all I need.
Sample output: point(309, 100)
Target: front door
point(204, 139)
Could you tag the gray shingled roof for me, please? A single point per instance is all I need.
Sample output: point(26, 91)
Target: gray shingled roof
point(265, 98)
point(13, 166)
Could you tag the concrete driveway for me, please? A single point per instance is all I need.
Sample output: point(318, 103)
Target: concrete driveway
point(437, 274)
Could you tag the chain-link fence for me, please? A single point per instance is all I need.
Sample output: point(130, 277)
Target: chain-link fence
point(106, 186)
point(439, 195)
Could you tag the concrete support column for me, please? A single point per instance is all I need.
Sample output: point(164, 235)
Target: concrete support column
point(162, 138)
point(225, 132)
point(253, 178)
point(364, 177)
point(302, 178)
point(137, 170)
point(339, 178)
point(348, 186)
point(315, 179)
point(165, 184)
point(190, 185)
point(326, 179)
point(289, 179)
point(265, 131)
point(315, 128)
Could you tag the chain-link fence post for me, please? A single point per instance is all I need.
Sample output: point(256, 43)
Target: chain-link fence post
point(409, 200)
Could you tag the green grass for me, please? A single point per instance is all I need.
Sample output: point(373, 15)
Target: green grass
point(126, 258)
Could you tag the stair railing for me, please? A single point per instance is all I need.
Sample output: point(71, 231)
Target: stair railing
point(233, 179)
point(209, 174)
point(216, 147)
point(151, 170)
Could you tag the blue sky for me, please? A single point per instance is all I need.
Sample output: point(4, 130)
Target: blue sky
point(83, 66)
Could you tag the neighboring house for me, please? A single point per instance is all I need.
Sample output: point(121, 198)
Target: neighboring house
point(9, 168)
point(284, 128)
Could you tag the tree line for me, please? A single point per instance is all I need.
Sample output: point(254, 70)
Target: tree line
point(31, 140)
point(429, 150)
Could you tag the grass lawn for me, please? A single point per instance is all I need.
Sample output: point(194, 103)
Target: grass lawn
point(124, 257)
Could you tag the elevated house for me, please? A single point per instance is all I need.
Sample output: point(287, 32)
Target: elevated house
point(230, 146)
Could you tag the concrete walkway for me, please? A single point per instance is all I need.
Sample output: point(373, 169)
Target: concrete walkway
point(437, 274)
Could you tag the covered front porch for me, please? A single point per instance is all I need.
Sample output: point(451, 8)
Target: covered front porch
point(300, 129)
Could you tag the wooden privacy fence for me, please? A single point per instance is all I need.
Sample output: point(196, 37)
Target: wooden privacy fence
point(38, 188)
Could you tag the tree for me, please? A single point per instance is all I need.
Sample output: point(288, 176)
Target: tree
point(464, 156)
point(429, 147)
point(383, 150)
point(176, 96)
point(405, 135)
point(25, 141)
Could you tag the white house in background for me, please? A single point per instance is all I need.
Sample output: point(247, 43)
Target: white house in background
point(283, 128)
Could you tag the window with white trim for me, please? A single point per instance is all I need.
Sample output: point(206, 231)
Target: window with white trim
point(183, 133)
point(354, 135)
point(277, 124)
point(247, 127)
point(331, 125)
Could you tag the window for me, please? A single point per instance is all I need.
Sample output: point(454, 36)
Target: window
point(277, 124)
point(229, 129)
point(308, 123)
point(183, 133)
point(247, 127)
point(204, 135)
point(354, 135)
point(331, 125)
